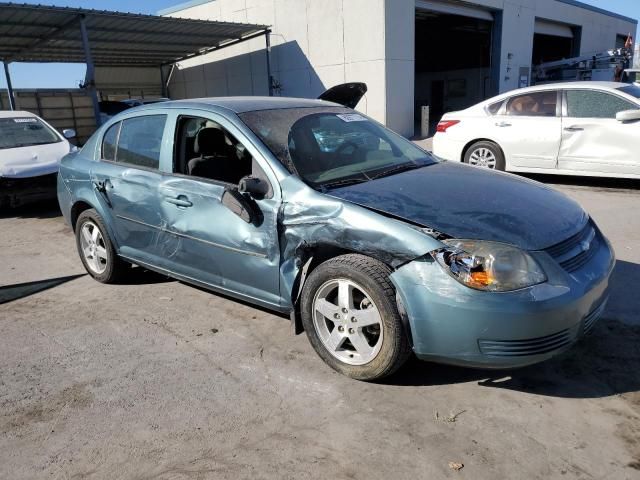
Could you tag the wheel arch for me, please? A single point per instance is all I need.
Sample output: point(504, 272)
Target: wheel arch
point(77, 208)
point(472, 142)
point(316, 256)
point(82, 204)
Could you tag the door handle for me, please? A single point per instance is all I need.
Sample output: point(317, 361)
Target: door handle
point(503, 124)
point(574, 129)
point(179, 201)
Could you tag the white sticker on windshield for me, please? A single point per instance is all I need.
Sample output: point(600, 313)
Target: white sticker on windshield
point(25, 120)
point(351, 117)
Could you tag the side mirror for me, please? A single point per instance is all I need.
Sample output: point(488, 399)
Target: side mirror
point(628, 115)
point(68, 133)
point(253, 186)
point(242, 205)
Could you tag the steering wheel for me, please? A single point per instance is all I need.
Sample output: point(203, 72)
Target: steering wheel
point(344, 146)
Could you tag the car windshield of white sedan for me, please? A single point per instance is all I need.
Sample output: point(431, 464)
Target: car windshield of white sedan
point(25, 132)
point(332, 147)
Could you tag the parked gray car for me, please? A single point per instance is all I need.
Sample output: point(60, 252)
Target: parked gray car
point(371, 245)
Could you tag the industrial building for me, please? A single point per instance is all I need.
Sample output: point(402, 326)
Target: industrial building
point(442, 53)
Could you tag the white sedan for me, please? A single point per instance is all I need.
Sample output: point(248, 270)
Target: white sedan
point(30, 154)
point(577, 128)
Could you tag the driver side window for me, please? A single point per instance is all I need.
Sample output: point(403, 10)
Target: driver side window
point(204, 149)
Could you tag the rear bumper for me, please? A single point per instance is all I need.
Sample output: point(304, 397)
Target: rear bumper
point(447, 148)
point(453, 324)
point(19, 191)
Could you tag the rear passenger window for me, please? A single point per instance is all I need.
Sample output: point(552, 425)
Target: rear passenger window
point(537, 104)
point(109, 142)
point(594, 104)
point(140, 141)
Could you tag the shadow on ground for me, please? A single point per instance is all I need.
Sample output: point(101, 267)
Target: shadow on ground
point(42, 209)
point(602, 364)
point(598, 183)
point(141, 276)
point(9, 293)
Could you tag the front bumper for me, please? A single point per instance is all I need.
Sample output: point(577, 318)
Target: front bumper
point(19, 191)
point(453, 324)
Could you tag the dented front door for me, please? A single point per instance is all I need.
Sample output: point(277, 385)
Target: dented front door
point(593, 141)
point(207, 242)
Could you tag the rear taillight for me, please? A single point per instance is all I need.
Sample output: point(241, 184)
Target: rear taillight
point(444, 124)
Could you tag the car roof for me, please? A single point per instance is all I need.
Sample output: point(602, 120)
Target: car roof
point(16, 113)
point(588, 84)
point(240, 104)
point(550, 86)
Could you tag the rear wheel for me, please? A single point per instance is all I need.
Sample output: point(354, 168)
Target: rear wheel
point(96, 249)
point(351, 318)
point(485, 154)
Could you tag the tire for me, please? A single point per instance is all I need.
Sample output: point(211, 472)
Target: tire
point(483, 153)
point(371, 298)
point(102, 261)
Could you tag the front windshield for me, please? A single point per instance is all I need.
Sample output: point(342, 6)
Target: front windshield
point(333, 146)
point(632, 90)
point(24, 132)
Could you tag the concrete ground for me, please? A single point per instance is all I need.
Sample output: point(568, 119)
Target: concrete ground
point(155, 379)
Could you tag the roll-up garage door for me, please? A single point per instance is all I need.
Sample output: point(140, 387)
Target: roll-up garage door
point(545, 27)
point(454, 9)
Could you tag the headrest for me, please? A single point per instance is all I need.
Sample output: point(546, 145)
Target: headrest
point(210, 140)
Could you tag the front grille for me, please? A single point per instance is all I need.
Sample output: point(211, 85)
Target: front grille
point(591, 319)
point(533, 346)
point(574, 252)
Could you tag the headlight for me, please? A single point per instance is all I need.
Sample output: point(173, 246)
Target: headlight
point(489, 266)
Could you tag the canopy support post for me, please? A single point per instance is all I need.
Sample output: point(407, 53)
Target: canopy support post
point(267, 36)
point(12, 99)
point(90, 77)
point(163, 82)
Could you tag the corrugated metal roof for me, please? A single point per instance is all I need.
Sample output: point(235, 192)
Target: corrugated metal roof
point(38, 33)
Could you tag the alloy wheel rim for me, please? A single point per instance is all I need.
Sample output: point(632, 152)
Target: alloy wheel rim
point(347, 322)
point(482, 157)
point(93, 247)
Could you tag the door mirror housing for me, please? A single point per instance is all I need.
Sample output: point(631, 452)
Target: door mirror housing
point(254, 186)
point(242, 205)
point(628, 115)
point(68, 133)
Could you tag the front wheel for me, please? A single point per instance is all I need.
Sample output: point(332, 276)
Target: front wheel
point(351, 318)
point(485, 154)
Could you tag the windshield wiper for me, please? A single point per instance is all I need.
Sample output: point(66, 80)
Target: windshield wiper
point(398, 169)
point(343, 183)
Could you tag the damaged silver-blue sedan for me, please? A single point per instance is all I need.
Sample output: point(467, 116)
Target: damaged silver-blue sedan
point(374, 247)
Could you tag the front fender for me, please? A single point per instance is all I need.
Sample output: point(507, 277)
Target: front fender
point(309, 218)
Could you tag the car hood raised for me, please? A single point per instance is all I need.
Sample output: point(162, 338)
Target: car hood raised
point(469, 202)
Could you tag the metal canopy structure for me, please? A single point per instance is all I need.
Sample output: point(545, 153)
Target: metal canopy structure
point(39, 33)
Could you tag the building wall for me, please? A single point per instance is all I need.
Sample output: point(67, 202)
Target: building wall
point(320, 43)
point(315, 45)
point(599, 31)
